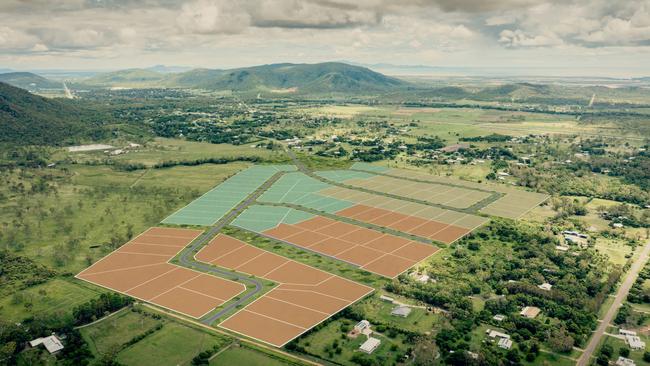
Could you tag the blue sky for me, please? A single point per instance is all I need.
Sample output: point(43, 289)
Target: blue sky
point(611, 38)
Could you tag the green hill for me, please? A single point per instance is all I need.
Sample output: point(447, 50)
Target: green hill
point(28, 119)
point(127, 78)
point(329, 77)
point(29, 81)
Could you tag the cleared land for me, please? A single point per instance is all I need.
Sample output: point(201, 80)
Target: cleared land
point(384, 254)
point(305, 297)
point(439, 194)
point(140, 269)
point(430, 222)
point(213, 205)
point(513, 204)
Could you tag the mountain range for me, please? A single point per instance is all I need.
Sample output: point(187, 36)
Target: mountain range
point(329, 77)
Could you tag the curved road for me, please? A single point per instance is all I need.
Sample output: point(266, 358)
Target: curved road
point(621, 295)
point(187, 258)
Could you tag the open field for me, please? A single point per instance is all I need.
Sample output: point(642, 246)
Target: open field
point(377, 311)
point(331, 343)
point(60, 295)
point(213, 205)
point(111, 333)
point(95, 207)
point(140, 269)
point(174, 344)
point(305, 297)
point(160, 150)
point(513, 202)
point(238, 355)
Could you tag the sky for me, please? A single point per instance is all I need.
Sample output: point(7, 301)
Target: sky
point(587, 37)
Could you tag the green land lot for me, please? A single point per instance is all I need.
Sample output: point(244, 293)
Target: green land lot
point(378, 312)
point(259, 218)
point(213, 205)
point(321, 341)
point(300, 189)
point(56, 296)
point(114, 331)
point(244, 356)
point(174, 344)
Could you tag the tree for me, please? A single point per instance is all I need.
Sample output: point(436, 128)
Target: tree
point(624, 351)
point(560, 340)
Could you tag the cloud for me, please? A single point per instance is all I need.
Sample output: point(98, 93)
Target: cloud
point(212, 17)
point(12, 39)
point(517, 38)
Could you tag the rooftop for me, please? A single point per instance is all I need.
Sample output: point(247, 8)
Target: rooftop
point(52, 343)
point(370, 345)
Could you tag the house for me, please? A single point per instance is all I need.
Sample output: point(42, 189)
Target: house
point(52, 343)
point(370, 345)
point(561, 248)
point(617, 225)
point(419, 277)
point(499, 317)
point(386, 298)
point(634, 342)
point(496, 334)
point(545, 286)
point(402, 311)
point(626, 332)
point(362, 325)
point(530, 312)
point(505, 343)
point(622, 361)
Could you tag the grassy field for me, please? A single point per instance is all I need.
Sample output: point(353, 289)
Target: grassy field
point(615, 249)
point(117, 329)
point(320, 343)
point(378, 311)
point(163, 149)
point(95, 207)
point(56, 296)
point(617, 344)
point(174, 344)
point(245, 356)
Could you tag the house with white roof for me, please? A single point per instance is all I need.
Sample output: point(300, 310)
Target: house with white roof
point(52, 343)
point(370, 345)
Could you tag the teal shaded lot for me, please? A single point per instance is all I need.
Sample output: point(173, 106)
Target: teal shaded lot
point(260, 218)
point(300, 189)
point(213, 205)
point(343, 175)
point(369, 167)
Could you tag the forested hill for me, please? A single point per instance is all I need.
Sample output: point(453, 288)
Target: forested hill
point(328, 77)
point(29, 81)
point(28, 119)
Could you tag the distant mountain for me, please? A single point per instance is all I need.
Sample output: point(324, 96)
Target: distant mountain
point(329, 77)
point(127, 78)
point(29, 81)
point(28, 119)
point(163, 69)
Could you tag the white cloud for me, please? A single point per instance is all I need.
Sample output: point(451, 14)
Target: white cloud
point(213, 16)
point(517, 38)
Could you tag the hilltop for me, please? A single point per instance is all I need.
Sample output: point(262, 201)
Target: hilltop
point(28, 119)
point(29, 81)
point(329, 77)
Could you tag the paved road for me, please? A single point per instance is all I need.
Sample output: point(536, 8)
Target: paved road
point(623, 290)
point(187, 257)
